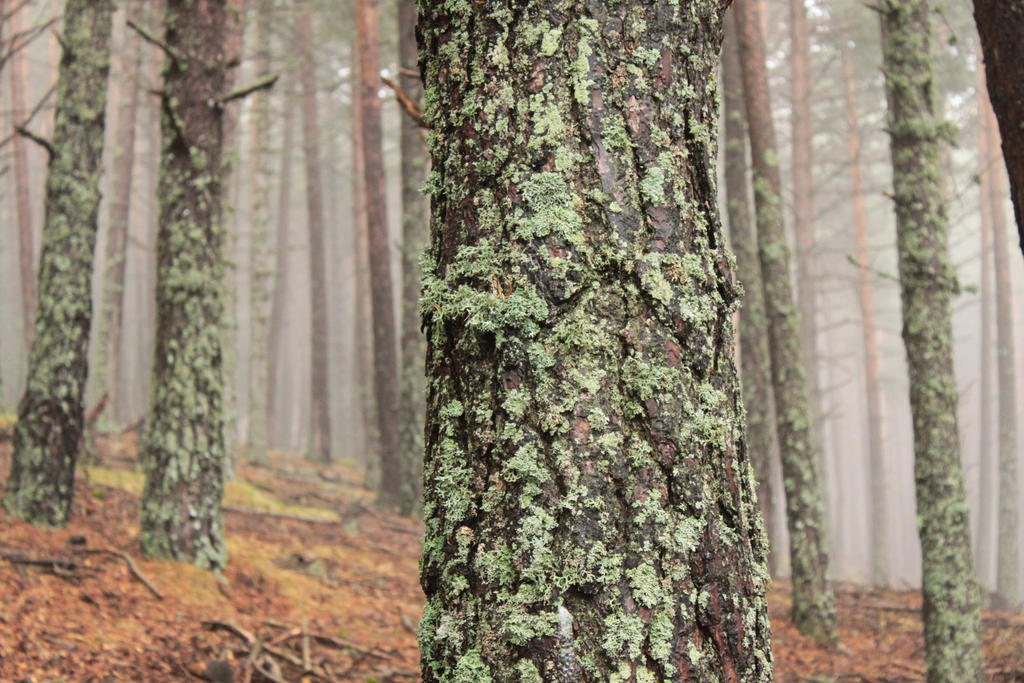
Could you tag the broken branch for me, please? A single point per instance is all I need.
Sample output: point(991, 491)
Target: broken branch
point(406, 103)
point(262, 84)
point(128, 560)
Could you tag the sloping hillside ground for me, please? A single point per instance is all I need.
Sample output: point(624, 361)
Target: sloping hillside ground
point(320, 587)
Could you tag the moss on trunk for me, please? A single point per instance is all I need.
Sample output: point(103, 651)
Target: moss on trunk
point(589, 501)
point(48, 433)
point(927, 282)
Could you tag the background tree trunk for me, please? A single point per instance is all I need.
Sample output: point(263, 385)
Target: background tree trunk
point(927, 281)
point(182, 448)
point(317, 251)
point(50, 415)
point(813, 608)
point(393, 467)
point(879, 519)
point(755, 367)
point(590, 513)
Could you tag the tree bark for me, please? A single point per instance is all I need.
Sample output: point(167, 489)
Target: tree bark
point(927, 281)
point(50, 415)
point(755, 364)
point(320, 407)
point(590, 512)
point(879, 521)
point(813, 608)
point(182, 447)
point(414, 235)
point(393, 467)
point(999, 25)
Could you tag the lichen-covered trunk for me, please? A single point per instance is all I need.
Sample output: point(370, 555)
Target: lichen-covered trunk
point(878, 511)
point(927, 282)
point(999, 26)
point(108, 355)
point(590, 506)
point(414, 234)
point(393, 467)
point(755, 365)
point(17, 69)
point(282, 278)
point(262, 250)
point(803, 208)
point(50, 415)
point(1007, 562)
point(182, 447)
point(813, 608)
point(311, 143)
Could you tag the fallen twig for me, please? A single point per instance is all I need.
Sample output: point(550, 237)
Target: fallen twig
point(131, 566)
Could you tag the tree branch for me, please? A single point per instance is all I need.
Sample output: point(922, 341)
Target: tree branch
point(406, 103)
point(32, 115)
point(42, 142)
point(153, 40)
point(262, 84)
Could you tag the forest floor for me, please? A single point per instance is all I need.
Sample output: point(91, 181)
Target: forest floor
point(320, 586)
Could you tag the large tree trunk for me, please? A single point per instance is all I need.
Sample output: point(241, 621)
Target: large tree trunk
point(112, 312)
point(317, 253)
point(813, 608)
point(927, 281)
point(50, 415)
point(393, 467)
point(182, 448)
point(590, 512)
point(17, 77)
point(755, 364)
point(880, 523)
point(414, 235)
point(1007, 563)
point(999, 25)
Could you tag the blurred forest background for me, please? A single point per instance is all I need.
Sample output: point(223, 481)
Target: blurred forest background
point(304, 210)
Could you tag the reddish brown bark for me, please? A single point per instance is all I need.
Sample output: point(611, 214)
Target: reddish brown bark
point(878, 514)
point(999, 25)
point(385, 358)
point(321, 446)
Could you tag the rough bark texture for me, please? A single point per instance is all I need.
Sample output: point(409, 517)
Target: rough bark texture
point(590, 506)
point(182, 447)
point(393, 466)
point(17, 76)
point(108, 357)
point(927, 281)
point(50, 415)
point(803, 208)
point(999, 25)
point(262, 250)
point(813, 608)
point(755, 364)
point(879, 521)
point(1007, 563)
point(311, 142)
point(414, 235)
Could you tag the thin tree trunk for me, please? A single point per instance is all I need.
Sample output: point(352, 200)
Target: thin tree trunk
point(999, 25)
point(262, 255)
point(414, 235)
point(50, 415)
point(590, 512)
point(987, 497)
point(1007, 562)
point(182, 448)
point(755, 368)
point(813, 608)
point(282, 277)
point(878, 511)
point(385, 360)
point(320, 407)
point(927, 281)
point(17, 78)
point(112, 311)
